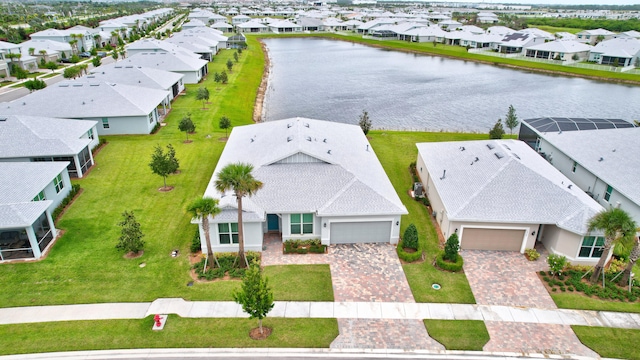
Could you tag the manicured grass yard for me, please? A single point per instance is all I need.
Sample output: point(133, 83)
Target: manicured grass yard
point(178, 333)
point(458, 334)
point(85, 267)
point(396, 150)
point(610, 343)
point(301, 282)
point(578, 301)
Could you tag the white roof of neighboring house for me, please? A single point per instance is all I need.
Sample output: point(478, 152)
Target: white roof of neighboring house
point(242, 17)
point(332, 21)
point(377, 22)
point(566, 35)
point(23, 214)
point(206, 32)
point(341, 176)
point(482, 38)
point(49, 46)
point(499, 30)
point(426, 31)
point(449, 23)
point(517, 39)
point(619, 47)
point(222, 24)
point(76, 99)
point(133, 75)
point(283, 24)
point(472, 29)
point(618, 148)
point(165, 61)
point(9, 46)
point(596, 32)
point(157, 45)
point(35, 136)
point(517, 187)
point(562, 46)
point(192, 43)
point(538, 33)
point(252, 24)
point(631, 33)
point(353, 22)
point(193, 23)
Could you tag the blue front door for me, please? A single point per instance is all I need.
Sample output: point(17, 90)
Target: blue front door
point(273, 223)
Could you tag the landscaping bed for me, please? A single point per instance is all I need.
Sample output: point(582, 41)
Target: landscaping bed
point(574, 281)
point(230, 268)
point(303, 246)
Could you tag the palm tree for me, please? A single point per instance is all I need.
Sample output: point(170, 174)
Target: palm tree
point(238, 177)
point(633, 258)
point(617, 226)
point(201, 209)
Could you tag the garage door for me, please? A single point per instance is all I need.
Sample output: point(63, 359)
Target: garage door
point(491, 239)
point(361, 232)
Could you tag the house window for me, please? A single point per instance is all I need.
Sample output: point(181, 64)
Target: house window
point(575, 166)
point(40, 197)
point(591, 247)
point(228, 233)
point(301, 224)
point(607, 195)
point(90, 134)
point(151, 117)
point(57, 182)
point(105, 123)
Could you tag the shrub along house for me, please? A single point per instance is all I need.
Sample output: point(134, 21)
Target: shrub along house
point(29, 192)
point(321, 179)
point(501, 195)
point(37, 139)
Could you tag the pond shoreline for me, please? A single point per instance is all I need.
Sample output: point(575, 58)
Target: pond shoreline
point(264, 83)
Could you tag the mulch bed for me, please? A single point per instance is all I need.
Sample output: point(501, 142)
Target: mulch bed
point(165, 189)
point(132, 255)
point(256, 335)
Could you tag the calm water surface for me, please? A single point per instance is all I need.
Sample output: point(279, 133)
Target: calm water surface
point(335, 80)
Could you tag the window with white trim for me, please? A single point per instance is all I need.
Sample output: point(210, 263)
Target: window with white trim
point(591, 247)
point(301, 224)
point(58, 184)
point(607, 195)
point(105, 123)
point(40, 196)
point(228, 233)
point(90, 134)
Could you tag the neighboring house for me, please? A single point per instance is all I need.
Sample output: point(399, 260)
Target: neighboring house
point(501, 195)
point(559, 50)
point(481, 41)
point(154, 45)
point(487, 18)
point(310, 24)
point(118, 109)
point(563, 35)
point(252, 26)
point(209, 33)
point(29, 193)
point(53, 50)
point(449, 24)
point(515, 43)
point(334, 24)
point(424, 34)
point(204, 47)
point(547, 36)
point(83, 36)
point(284, 26)
point(205, 16)
point(321, 180)
point(352, 25)
point(193, 69)
point(617, 52)
point(138, 76)
point(222, 26)
point(500, 30)
point(594, 36)
point(37, 139)
point(109, 26)
point(239, 19)
point(193, 24)
point(630, 34)
point(369, 26)
point(602, 160)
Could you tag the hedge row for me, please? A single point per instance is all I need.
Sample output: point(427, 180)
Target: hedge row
point(409, 257)
point(449, 266)
point(75, 188)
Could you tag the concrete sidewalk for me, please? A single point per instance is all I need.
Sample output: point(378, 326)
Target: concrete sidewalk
point(304, 309)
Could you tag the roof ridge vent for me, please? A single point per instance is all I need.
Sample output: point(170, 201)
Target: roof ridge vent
point(289, 138)
point(499, 155)
point(289, 125)
point(306, 125)
point(490, 146)
point(308, 138)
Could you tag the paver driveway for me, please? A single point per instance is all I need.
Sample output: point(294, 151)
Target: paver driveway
point(508, 278)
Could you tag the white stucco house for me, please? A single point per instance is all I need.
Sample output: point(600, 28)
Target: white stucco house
point(593, 36)
point(37, 139)
point(501, 195)
point(139, 76)
point(623, 51)
point(564, 50)
point(321, 180)
point(29, 192)
point(191, 68)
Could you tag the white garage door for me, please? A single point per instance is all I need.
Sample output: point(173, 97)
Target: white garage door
point(361, 232)
point(491, 239)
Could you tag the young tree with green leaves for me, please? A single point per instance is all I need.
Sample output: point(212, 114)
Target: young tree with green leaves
point(202, 95)
point(130, 234)
point(238, 178)
point(35, 84)
point(235, 56)
point(225, 123)
point(451, 248)
point(202, 208)
point(115, 54)
point(255, 295)
point(618, 226)
point(171, 155)
point(410, 237)
point(51, 66)
point(162, 163)
point(511, 120)
point(223, 77)
point(365, 122)
point(229, 65)
point(498, 131)
point(186, 125)
point(96, 61)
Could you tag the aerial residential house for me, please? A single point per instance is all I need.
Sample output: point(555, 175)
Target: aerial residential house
point(310, 24)
point(209, 33)
point(516, 43)
point(239, 19)
point(252, 26)
point(321, 180)
point(193, 24)
point(83, 37)
point(152, 78)
point(352, 25)
point(369, 26)
point(199, 45)
point(222, 26)
point(621, 51)
point(114, 27)
point(594, 36)
point(6, 51)
point(118, 109)
point(29, 192)
point(547, 36)
point(630, 34)
point(284, 26)
point(501, 195)
point(191, 68)
point(564, 50)
point(154, 45)
point(480, 41)
point(205, 16)
point(563, 35)
point(499, 30)
point(334, 24)
point(37, 139)
point(487, 18)
point(424, 34)
point(598, 155)
point(48, 50)
point(449, 24)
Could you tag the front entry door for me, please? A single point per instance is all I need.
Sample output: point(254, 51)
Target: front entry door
point(273, 222)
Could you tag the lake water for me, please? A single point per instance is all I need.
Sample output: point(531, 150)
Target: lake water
point(335, 80)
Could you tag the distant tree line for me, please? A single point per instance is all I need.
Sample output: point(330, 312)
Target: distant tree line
point(575, 23)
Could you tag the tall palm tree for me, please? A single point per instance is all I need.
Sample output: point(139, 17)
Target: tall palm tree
point(238, 177)
point(633, 258)
point(617, 226)
point(202, 208)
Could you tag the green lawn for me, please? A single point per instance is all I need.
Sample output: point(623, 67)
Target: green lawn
point(555, 29)
point(610, 343)
point(178, 333)
point(396, 150)
point(460, 52)
point(577, 301)
point(458, 334)
point(85, 267)
point(301, 282)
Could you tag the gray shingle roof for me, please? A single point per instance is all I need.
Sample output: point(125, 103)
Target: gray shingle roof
point(22, 181)
point(22, 136)
point(134, 76)
point(618, 148)
point(79, 99)
point(519, 187)
point(165, 61)
point(346, 179)
point(21, 214)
